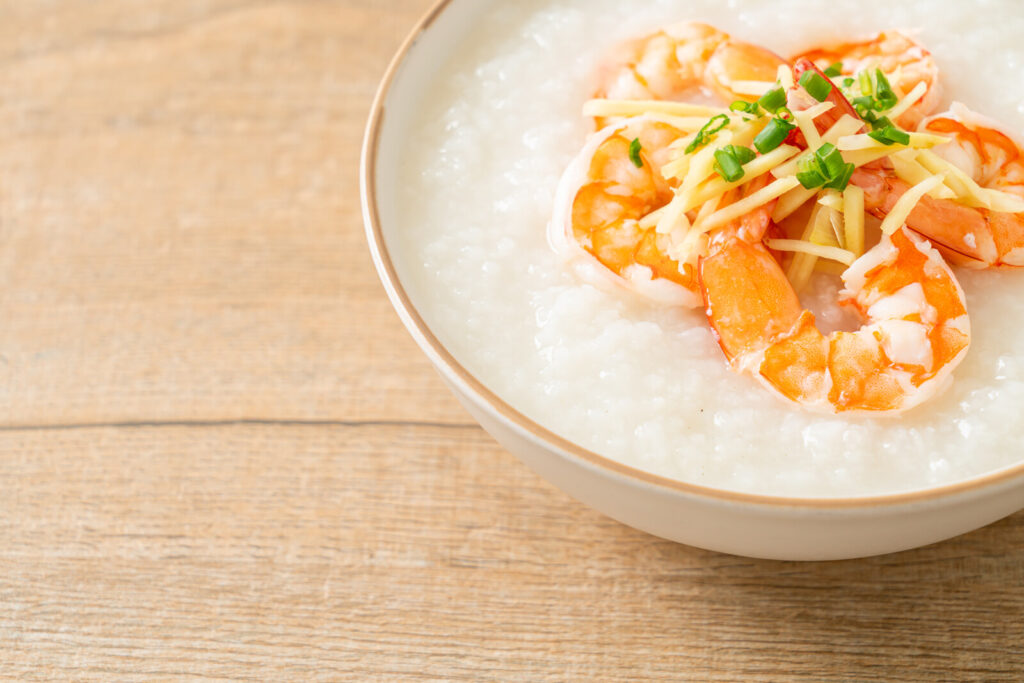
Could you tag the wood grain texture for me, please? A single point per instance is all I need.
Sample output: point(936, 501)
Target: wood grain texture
point(222, 458)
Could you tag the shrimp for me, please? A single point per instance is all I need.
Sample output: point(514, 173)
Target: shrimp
point(733, 62)
point(676, 61)
point(916, 330)
point(968, 236)
point(600, 200)
point(979, 148)
point(665, 65)
point(903, 59)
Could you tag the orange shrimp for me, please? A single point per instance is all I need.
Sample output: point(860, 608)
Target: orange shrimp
point(968, 236)
point(979, 148)
point(599, 203)
point(916, 331)
point(734, 61)
point(681, 59)
point(603, 194)
point(903, 59)
point(601, 199)
point(664, 65)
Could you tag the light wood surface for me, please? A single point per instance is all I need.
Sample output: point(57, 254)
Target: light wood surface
point(222, 457)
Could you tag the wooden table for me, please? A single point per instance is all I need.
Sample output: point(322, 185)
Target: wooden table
point(222, 457)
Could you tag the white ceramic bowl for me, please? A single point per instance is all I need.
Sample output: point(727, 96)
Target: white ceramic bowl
point(742, 524)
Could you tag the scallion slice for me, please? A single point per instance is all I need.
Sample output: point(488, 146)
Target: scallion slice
point(745, 107)
point(866, 87)
point(728, 166)
point(865, 108)
point(880, 122)
point(830, 161)
point(863, 102)
point(744, 154)
point(773, 99)
point(890, 135)
point(773, 135)
point(842, 179)
point(730, 159)
point(815, 85)
point(826, 168)
point(884, 95)
point(810, 179)
point(634, 153)
point(834, 69)
point(809, 176)
point(715, 124)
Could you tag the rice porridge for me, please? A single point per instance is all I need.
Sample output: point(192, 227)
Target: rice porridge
point(647, 385)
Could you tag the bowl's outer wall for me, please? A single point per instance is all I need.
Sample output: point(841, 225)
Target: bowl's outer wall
point(726, 522)
point(749, 529)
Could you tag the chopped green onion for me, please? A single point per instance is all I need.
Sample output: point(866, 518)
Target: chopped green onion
point(881, 122)
point(865, 102)
point(810, 179)
point(848, 81)
point(834, 69)
point(745, 107)
point(728, 166)
point(809, 176)
point(841, 179)
point(830, 161)
point(744, 154)
point(715, 124)
point(865, 107)
point(826, 168)
point(876, 94)
point(815, 85)
point(883, 91)
point(866, 88)
point(773, 99)
point(890, 135)
point(826, 150)
point(730, 159)
point(880, 136)
point(634, 153)
point(773, 135)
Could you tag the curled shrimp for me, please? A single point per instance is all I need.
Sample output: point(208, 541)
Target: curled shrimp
point(903, 59)
point(678, 60)
point(600, 200)
point(916, 327)
point(970, 236)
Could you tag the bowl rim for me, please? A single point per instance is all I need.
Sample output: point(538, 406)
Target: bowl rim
point(484, 396)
